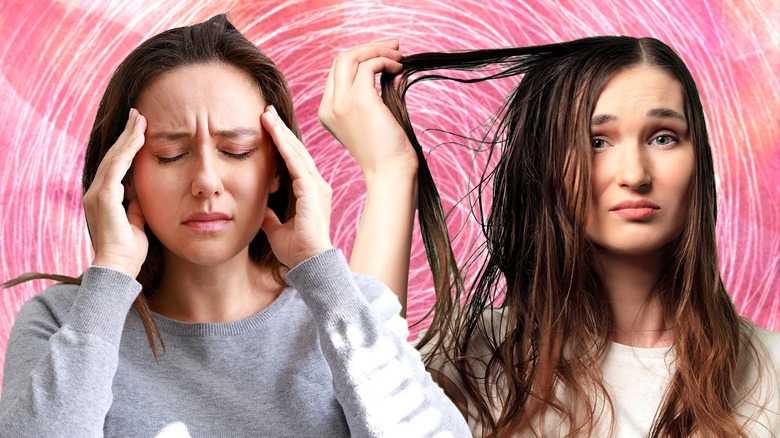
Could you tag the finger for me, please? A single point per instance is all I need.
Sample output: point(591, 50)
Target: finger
point(120, 156)
point(391, 43)
point(134, 214)
point(101, 170)
point(271, 223)
point(345, 64)
point(292, 159)
point(295, 144)
point(367, 71)
point(327, 95)
point(119, 163)
point(132, 119)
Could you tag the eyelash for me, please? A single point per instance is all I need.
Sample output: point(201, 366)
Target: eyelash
point(240, 156)
point(672, 140)
point(168, 160)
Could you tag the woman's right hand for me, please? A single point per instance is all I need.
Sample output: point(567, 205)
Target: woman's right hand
point(117, 235)
point(353, 112)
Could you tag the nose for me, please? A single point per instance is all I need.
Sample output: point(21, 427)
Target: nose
point(206, 178)
point(634, 172)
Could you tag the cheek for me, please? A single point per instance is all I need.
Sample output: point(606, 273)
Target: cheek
point(154, 189)
point(144, 179)
point(680, 175)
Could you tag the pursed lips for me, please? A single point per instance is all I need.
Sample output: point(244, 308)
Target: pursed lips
point(207, 221)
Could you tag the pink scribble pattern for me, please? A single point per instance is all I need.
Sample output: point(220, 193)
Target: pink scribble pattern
point(57, 57)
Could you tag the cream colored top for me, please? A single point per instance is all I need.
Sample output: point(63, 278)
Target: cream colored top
point(636, 381)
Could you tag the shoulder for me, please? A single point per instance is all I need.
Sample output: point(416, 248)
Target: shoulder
point(42, 315)
point(767, 344)
point(759, 376)
point(53, 303)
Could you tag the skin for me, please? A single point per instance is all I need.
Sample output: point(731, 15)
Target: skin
point(639, 153)
point(352, 111)
point(205, 151)
point(632, 162)
point(200, 118)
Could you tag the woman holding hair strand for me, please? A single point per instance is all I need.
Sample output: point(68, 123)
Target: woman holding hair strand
point(599, 309)
point(201, 212)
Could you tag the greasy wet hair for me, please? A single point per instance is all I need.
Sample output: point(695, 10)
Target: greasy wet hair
point(556, 321)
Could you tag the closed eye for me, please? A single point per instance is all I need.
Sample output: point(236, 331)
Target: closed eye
point(238, 156)
point(167, 160)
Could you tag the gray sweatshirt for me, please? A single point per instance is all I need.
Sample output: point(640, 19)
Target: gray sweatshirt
point(329, 357)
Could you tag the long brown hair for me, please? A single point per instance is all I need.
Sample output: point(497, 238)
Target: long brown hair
point(555, 322)
point(215, 40)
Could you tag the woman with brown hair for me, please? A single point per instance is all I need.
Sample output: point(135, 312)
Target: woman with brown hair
point(209, 218)
point(599, 309)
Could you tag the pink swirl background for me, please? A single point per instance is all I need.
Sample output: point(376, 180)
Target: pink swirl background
point(56, 58)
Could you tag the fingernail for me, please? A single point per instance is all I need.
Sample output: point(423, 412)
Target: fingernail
point(130, 114)
point(273, 109)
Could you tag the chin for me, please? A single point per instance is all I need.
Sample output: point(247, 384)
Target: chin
point(636, 248)
point(205, 255)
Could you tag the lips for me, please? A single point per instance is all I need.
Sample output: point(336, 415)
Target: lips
point(206, 221)
point(640, 209)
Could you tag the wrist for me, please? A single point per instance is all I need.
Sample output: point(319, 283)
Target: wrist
point(123, 266)
point(400, 166)
point(391, 176)
point(309, 253)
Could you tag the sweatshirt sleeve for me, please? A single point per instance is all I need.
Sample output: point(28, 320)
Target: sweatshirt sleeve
point(61, 360)
point(378, 377)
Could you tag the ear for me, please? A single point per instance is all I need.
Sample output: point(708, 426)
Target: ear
point(276, 181)
point(127, 182)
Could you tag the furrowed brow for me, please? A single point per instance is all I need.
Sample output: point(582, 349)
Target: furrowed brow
point(226, 133)
point(168, 136)
point(236, 133)
point(602, 119)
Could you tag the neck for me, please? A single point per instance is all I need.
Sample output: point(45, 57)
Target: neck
point(638, 317)
point(229, 292)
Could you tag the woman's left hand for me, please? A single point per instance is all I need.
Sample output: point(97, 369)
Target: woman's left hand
point(308, 232)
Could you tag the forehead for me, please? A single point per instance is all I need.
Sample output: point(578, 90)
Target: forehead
point(219, 90)
point(639, 88)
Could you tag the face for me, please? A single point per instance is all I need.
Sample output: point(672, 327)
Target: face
point(642, 163)
point(204, 174)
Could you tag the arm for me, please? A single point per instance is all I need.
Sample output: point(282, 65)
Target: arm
point(59, 369)
point(353, 112)
point(59, 373)
point(378, 377)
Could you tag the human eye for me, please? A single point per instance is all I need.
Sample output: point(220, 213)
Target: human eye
point(168, 159)
point(237, 155)
point(664, 140)
point(598, 144)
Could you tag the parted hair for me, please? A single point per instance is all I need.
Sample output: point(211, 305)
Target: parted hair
point(215, 40)
point(556, 319)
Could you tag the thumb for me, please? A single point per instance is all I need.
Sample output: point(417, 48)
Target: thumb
point(134, 214)
point(271, 223)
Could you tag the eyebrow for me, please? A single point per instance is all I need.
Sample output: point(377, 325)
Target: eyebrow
point(226, 133)
point(656, 113)
point(666, 113)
